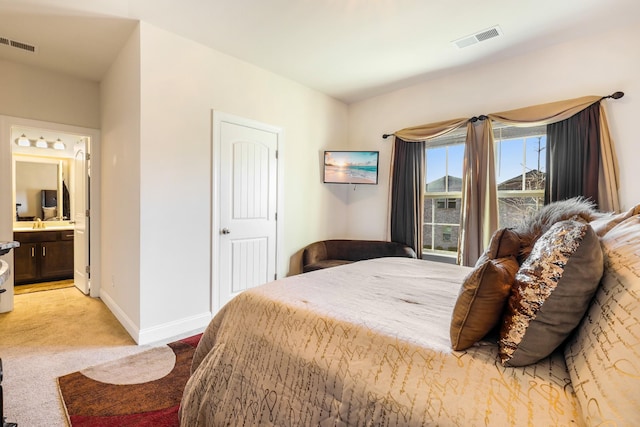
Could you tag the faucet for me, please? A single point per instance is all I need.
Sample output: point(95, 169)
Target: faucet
point(37, 224)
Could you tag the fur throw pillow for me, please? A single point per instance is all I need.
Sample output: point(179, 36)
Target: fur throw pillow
point(534, 226)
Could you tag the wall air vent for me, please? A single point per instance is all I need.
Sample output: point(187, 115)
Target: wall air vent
point(478, 37)
point(18, 45)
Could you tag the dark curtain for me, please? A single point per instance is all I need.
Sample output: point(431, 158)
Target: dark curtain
point(573, 156)
point(66, 205)
point(407, 193)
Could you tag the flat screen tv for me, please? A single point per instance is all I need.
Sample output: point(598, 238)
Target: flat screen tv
point(351, 167)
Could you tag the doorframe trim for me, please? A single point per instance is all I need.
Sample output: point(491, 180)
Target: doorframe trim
point(217, 118)
point(6, 218)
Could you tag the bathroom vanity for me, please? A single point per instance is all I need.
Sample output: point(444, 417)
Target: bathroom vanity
point(43, 255)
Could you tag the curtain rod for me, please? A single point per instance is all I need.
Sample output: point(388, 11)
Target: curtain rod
point(615, 95)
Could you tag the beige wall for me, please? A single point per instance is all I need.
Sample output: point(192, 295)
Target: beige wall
point(181, 82)
point(34, 93)
point(595, 65)
point(120, 174)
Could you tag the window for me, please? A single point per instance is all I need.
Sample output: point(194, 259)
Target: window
point(520, 171)
point(520, 176)
point(446, 203)
point(443, 191)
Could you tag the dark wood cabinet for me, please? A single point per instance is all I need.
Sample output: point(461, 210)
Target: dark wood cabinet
point(25, 266)
point(43, 256)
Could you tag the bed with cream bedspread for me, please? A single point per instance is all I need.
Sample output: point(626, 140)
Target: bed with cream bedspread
point(364, 344)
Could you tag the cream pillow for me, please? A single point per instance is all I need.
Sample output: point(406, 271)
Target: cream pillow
point(49, 213)
point(603, 356)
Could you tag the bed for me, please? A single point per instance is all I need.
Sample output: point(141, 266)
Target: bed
point(369, 343)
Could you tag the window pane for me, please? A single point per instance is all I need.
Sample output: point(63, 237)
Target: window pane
point(509, 164)
point(444, 168)
point(447, 211)
point(536, 158)
point(512, 210)
point(456, 160)
point(520, 166)
point(445, 238)
point(444, 163)
point(436, 164)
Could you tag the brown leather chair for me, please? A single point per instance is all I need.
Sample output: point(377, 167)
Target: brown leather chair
point(331, 253)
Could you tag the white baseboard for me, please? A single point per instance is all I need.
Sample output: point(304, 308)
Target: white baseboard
point(180, 328)
point(124, 320)
point(177, 328)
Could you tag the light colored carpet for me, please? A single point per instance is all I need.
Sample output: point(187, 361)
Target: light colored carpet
point(50, 334)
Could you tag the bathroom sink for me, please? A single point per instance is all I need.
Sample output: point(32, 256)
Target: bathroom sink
point(45, 228)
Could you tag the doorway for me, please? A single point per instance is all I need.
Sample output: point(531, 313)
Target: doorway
point(246, 185)
point(54, 219)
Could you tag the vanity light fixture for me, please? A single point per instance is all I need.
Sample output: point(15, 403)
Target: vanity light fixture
point(41, 143)
point(23, 141)
point(59, 145)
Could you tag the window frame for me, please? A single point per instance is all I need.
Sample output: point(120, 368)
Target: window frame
point(521, 133)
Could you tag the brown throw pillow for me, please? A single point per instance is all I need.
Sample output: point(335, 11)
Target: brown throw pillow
point(552, 291)
point(504, 242)
point(481, 301)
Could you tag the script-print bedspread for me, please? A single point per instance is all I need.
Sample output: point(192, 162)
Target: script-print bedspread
point(363, 344)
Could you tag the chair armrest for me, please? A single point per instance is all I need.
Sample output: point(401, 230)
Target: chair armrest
point(314, 253)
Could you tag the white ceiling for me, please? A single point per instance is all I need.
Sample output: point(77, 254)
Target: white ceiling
point(348, 49)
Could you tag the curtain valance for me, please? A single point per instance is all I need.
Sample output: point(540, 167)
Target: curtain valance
point(432, 130)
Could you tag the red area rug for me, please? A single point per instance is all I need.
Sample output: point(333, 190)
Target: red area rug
point(99, 403)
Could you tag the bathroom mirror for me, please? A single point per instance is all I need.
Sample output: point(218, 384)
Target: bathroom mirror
point(40, 190)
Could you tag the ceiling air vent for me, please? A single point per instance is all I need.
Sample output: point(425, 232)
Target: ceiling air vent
point(478, 37)
point(18, 45)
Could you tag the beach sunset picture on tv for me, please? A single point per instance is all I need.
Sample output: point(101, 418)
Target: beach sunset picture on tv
point(351, 167)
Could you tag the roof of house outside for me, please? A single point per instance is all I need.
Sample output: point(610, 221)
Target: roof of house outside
point(534, 180)
point(438, 185)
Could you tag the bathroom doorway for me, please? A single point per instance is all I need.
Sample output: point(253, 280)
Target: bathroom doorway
point(54, 212)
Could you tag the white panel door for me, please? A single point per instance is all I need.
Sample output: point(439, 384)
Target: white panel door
point(247, 207)
point(79, 216)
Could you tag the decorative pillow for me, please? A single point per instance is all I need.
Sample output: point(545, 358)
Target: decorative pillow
point(505, 242)
point(552, 291)
point(49, 213)
point(481, 301)
point(605, 222)
point(603, 355)
point(536, 225)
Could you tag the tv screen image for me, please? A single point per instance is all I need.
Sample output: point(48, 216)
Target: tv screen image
point(351, 167)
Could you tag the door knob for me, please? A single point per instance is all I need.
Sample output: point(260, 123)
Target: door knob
point(225, 231)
